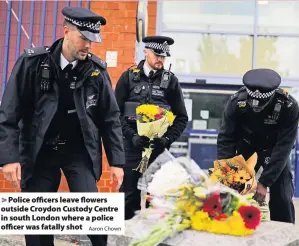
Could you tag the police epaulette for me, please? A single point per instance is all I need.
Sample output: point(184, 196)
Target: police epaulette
point(241, 94)
point(134, 66)
point(283, 92)
point(98, 60)
point(36, 51)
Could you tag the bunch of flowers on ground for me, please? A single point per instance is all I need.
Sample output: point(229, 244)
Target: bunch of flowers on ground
point(152, 121)
point(199, 204)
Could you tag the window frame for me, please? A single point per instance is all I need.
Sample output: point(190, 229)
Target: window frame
point(218, 78)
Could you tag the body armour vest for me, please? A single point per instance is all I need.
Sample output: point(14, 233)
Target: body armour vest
point(144, 90)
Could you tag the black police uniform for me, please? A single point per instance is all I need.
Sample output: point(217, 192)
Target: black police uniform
point(63, 116)
point(271, 132)
point(135, 88)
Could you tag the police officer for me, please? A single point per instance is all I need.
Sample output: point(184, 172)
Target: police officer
point(61, 100)
point(263, 118)
point(149, 83)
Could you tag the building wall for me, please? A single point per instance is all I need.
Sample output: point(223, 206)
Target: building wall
point(118, 35)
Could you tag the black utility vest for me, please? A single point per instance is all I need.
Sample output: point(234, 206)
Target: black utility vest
point(144, 90)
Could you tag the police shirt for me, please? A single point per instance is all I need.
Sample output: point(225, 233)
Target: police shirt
point(147, 69)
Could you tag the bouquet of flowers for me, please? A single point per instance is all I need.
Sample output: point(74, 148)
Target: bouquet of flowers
point(152, 121)
point(194, 202)
point(238, 174)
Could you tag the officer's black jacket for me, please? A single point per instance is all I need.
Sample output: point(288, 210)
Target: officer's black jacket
point(26, 112)
point(277, 137)
point(172, 96)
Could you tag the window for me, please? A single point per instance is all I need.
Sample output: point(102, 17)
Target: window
point(209, 15)
point(278, 17)
point(210, 53)
point(224, 39)
point(279, 54)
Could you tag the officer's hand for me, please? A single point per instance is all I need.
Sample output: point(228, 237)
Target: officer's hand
point(119, 174)
point(12, 173)
point(260, 194)
point(159, 143)
point(141, 142)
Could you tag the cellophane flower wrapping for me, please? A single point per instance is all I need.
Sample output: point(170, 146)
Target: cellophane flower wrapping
point(239, 174)
point(152, 122)
point(183, 197)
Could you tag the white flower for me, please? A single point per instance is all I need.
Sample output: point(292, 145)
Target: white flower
point(170, 176)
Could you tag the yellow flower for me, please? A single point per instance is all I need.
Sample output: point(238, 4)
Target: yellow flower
point(148, 110)
point(216, 175)
point(237, 224)
point(230, 179)
point(145, 119)
point(200, 220)
point(242, 176)
point(170, 117)
point(180, 205)
point(190, 208)
point(214, 178)
point(233, 225)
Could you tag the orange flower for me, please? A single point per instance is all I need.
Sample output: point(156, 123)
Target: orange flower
point(226, 167)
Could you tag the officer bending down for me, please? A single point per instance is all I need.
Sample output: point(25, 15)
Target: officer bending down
point(63, 99)
point(263, 118)
point(149, 83)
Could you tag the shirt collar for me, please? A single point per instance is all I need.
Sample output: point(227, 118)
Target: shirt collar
point(147, 69)
point(64, 62)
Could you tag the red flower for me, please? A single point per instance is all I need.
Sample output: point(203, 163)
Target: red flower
point(221, 217)
point(251, 216)
point(158, 116)
point(148, 198)
point(212, 205)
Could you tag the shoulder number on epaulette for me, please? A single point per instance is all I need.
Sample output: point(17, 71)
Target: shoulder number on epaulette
point(242, 104)
point(95, 73)
point(35, 51)
point(98, 61)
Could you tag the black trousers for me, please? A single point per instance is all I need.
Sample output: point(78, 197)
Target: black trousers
point(131, 177)
point(281, 198)
point(77, 168)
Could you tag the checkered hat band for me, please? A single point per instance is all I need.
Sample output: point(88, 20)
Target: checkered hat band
point(95, 27)
point(158, 46)
point(259, 95)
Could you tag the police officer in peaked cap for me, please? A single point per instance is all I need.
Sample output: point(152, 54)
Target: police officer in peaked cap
point(148, 83)
point(263, 118)
point(63, 98)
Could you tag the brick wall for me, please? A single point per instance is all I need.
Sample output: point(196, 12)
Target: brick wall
point(118, 35)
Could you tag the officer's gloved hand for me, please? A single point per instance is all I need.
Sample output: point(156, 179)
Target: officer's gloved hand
point(160, 143)
point(140, 142)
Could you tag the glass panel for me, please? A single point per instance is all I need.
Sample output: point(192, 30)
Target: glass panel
point(211, 102)
point(209, 15)
point(210, 54)
point(279, 54)
point(278, 17)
